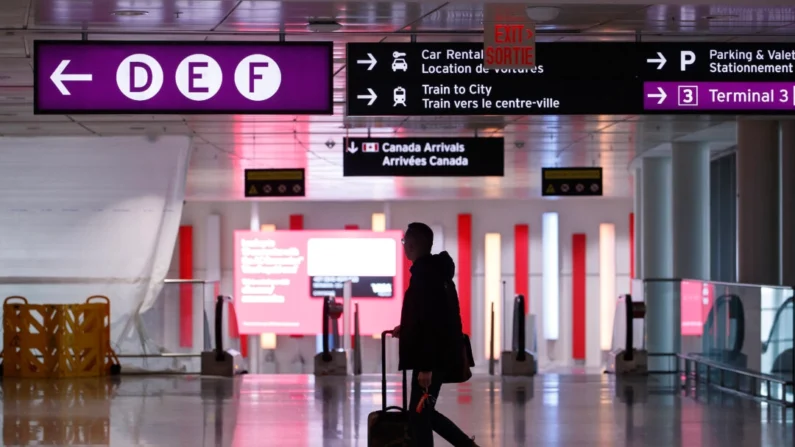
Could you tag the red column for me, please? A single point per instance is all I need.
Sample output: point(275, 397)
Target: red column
point(465, 270)
point(578, 248)
point(186, 290)
point(296, 223)
point(631, 247)
point(521, 253)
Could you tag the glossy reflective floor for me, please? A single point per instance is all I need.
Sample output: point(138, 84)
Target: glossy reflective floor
point(299, 411)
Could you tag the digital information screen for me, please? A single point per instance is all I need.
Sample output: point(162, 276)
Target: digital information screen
point(282, 276)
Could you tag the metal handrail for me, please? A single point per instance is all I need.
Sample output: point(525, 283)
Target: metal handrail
point(693, 373)
point(190, 281)
point(719, 283)
point(722, 369)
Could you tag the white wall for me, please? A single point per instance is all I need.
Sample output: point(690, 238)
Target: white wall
point(577, 215)
point(83, 216)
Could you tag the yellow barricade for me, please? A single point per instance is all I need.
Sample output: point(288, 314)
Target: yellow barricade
point(57, 340)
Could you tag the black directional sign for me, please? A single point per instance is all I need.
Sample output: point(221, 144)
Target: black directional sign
point(423, 157)
point(571, 181)
point(572, 78)
point(449, 79)
point(275, 183)
point(719, 78)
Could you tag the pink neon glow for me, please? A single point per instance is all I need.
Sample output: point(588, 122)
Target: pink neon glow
point(273, 271)
point(696, 300)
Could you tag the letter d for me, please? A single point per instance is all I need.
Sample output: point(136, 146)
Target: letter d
point(134, 66)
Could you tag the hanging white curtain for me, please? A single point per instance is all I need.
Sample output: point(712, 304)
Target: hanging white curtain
point(90, 216)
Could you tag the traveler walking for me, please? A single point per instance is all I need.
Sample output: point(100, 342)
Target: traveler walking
point(429, 336)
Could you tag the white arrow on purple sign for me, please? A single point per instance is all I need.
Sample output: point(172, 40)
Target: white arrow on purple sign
point(58, 77)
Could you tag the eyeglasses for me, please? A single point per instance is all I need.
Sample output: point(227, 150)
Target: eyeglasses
point(403, 241)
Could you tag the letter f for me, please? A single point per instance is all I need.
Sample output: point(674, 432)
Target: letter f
point(253, 75)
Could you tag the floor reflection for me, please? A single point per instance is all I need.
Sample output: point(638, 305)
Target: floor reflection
point(302, 411)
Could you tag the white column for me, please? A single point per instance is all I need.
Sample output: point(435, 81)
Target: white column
point(691, 211)
point(662, 321)
point(253, 342)
point(212, 259)
point(787, 152)
point(638, 210)
point(758, 202)
point(656, 227)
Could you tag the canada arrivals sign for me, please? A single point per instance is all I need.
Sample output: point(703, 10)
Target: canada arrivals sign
point(423, 157)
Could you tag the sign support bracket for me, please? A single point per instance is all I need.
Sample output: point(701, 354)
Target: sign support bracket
point(638, 36)
point(413, 38)
point(282, 37)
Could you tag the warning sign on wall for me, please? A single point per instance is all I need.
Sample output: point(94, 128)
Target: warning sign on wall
point(275, 183)
point(571, 181)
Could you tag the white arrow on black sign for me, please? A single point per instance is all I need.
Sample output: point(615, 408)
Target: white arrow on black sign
point(371, 96)
point(58, 77)
point(352, 148)
point(660, 61)
point(662, 95)
point(370, 60)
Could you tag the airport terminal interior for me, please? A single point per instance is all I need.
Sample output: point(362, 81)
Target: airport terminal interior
point(611, 181)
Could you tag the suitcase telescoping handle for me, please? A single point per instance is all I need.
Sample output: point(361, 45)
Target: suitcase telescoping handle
point(383, 374)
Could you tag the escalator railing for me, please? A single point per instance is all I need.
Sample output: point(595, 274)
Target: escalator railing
point(724, 332)
point(780, 338)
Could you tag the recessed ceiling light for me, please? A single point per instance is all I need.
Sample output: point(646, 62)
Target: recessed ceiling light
point(722, 17)
point(130, 12)
point(542, 13)
point(323, 25)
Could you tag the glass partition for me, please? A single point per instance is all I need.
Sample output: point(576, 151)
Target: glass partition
point(733, 324)
point(742, 326)
point(155, 340)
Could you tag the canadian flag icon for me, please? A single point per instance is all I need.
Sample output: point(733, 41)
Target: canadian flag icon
point(369, 147)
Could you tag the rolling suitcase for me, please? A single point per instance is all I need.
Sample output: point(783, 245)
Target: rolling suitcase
point(388, 427)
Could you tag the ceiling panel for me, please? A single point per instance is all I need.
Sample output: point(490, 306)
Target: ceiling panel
point(224, 145)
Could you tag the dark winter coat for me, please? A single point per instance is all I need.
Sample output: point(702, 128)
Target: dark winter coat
point(430, 322)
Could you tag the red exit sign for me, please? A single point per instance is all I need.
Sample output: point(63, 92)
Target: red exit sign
point(509, 40)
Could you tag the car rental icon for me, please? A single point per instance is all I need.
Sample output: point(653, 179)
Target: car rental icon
point(399, 62)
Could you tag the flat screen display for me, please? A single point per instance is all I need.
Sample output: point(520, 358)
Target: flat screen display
point(696, 301)
point(281, 278)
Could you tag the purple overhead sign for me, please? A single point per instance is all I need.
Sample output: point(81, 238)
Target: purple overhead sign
point(719, 96)
point(85, 77)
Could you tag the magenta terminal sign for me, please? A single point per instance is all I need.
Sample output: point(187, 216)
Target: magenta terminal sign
point(84, 77)
point(720, 96)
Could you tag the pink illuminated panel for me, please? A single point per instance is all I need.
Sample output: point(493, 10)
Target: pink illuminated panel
point(281, 278)
point(696, 300)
